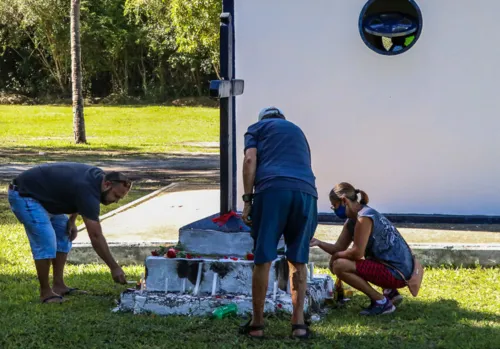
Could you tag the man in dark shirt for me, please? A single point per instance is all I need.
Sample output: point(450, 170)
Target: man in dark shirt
point(280, 199)
point(43, 196)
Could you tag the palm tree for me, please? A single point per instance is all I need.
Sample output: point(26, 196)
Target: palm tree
point(76, 74)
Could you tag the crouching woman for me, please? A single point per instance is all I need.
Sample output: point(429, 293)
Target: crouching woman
point(374, 239)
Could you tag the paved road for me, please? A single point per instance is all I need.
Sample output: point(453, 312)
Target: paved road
point(179, 168)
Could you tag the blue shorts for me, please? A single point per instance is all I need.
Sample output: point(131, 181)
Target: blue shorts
point(293, 214)
point(47, 233)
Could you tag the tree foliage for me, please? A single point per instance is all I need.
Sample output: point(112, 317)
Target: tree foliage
point(154, 49)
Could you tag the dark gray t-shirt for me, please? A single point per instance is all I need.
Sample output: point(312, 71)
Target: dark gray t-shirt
point(386, 243)
point(64, 188)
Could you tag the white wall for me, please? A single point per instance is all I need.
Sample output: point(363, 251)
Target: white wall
point(417, 131)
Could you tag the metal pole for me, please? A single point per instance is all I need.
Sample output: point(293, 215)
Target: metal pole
point(226, 116)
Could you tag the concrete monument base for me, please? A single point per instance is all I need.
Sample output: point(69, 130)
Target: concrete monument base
point(205, 271)
point(231, 237)
point(175, 303)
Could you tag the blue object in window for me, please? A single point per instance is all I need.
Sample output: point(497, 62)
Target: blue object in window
point(390, 25)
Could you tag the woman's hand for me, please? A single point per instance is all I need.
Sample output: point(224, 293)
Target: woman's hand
point(314, 242)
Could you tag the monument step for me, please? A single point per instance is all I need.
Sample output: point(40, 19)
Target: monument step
point(220, 276)
point(319, 289)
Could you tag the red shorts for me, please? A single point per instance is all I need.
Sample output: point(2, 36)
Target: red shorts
point(378, 274)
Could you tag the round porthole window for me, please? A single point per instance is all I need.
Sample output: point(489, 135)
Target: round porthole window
point(390, 27)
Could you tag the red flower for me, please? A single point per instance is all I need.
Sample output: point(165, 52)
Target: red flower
point(155, 253)
point(188, 256)
point(250, 256)
point(171, 253)
point(225, 257)
point(280, 306)
point(234, 258)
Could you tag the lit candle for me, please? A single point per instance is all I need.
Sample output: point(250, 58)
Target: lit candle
point(214, 283)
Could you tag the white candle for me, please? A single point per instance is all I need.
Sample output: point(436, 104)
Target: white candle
point(166, 285)
point(142, 286)
point(198, 279)
point(311, 270)
point(214, 283)
point(183, 285)
point(275, 290)
point(142, 283)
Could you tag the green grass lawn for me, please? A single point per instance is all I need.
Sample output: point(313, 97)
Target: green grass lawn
point(457, 308)
point(28, 130)
point(138, 132)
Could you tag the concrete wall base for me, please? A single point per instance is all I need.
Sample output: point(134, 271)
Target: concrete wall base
point(466, 255)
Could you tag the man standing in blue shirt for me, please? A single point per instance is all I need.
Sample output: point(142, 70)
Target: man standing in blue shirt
point(280, 199)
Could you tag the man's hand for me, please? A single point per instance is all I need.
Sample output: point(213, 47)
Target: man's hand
point(314, 242)
point(72, 230)
point(101, 247)
point(246, 213)
point(118, 275)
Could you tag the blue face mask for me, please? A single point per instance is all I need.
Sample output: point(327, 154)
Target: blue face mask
point(340, 212)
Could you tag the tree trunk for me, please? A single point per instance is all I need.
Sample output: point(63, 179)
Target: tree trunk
point(76, 74)
point(144, 78)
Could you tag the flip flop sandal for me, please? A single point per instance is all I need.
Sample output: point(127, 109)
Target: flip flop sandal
point(247, 328)
point(46, 300)
point(73, 290)
point(306, 335)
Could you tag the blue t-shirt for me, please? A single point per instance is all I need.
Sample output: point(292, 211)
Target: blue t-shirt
point(283, 157)
point(64, 188)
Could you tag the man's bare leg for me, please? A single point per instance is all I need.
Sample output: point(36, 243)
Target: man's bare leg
point(260, 280)
point(59, 286)
point(42, 270)
point(298, 283)
point(58, 264)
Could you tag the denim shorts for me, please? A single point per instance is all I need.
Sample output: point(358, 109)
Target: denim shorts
point(47, 233)
point(276, 213)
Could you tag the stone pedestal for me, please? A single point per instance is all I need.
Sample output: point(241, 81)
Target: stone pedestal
point(206, 237)
point(217, 276)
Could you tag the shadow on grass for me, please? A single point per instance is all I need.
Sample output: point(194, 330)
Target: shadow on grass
point(24, 151)
point(84, 153)
point(153, 105)
point(159, 168)
point(86, 321)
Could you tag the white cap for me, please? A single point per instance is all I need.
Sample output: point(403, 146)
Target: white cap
point(270, 111)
